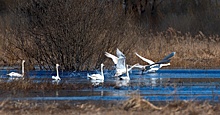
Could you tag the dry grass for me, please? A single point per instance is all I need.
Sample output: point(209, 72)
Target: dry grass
point(26, 85)
point(197, 51)
point(131, 106)
point(82, 31)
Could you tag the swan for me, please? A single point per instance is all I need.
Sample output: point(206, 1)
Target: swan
point(127, 77)
point(119, 62)
point(153, 67)
point(121, 68)
point(56, 78)
point(99, 77)
point(113, 57)
point(18, 75)
point(123, 80)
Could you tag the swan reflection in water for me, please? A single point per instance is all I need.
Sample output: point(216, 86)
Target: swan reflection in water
point(123, 80)
point(120, 83)
point(156, 80)
point(56, 81)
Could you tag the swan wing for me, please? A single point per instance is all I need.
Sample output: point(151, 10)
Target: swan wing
point(139, 66)
point(119, 53)
point(114, 58)
point(163, 61)
point(167, 58)
point(144, 59)
point(133, 66)
point(121, 63)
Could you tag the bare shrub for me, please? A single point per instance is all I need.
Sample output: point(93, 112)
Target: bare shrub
point(74, 34)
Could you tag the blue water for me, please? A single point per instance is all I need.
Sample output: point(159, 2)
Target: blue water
point(164, 85)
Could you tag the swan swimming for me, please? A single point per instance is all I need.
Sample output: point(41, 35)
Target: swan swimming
point(153, 67)
point(119, 62)
point(57, 77)
point(123, 80)
point(99, 77)
point(18, 75)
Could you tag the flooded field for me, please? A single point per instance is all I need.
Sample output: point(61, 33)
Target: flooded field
point(164, 85)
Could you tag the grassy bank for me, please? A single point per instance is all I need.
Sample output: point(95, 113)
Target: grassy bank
point(132, 106)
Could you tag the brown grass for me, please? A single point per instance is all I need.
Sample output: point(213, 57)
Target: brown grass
point(26, 85)
point(76, 34)
point(197, 51)
point(139, 106)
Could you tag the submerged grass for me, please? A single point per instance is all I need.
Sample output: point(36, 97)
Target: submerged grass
point(26, 85)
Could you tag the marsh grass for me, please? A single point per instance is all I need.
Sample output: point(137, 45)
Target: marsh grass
point(197, 51)
point(28, 85)
point(130, 106)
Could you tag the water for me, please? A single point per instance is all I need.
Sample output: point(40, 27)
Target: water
point(164, 85)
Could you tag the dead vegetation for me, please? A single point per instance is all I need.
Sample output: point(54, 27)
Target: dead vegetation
point(131, 106)
point(28, 85)
point(76, 34)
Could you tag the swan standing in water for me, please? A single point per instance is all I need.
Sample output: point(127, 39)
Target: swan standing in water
point(18, 75)
point(119, 62)
point(123, 80)
point(121, 67)
point(57, 77)
point(98, 77)
point(127, 77)
point(153, 67)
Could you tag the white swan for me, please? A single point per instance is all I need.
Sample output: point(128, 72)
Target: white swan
point(99, 77)
point(121, 68)
point(119, 62)
point(127, 77)
point(57, 77)
point(153, 67)
point(123, 80)
point(114, 58)
point(18, 75)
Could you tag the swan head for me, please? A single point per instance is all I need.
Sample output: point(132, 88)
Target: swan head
point(23, 61)
point(57, 65)
point(102, 65)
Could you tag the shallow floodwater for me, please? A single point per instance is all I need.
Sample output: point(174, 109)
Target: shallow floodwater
point(164, 85)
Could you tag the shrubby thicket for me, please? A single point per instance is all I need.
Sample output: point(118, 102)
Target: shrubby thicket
point(76, 33)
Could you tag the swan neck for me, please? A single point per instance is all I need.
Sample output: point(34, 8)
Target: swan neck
point(127, 71)
point(131, 67)
point(102, 71)
point(22, 68)
point(57, 71)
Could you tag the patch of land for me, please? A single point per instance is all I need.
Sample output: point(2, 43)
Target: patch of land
point(133, 106)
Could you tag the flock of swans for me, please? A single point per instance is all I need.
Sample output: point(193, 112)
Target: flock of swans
point(122, 69)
